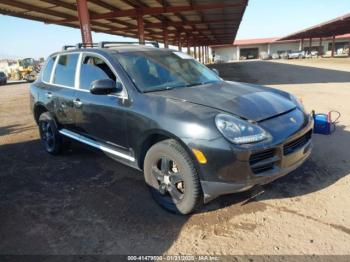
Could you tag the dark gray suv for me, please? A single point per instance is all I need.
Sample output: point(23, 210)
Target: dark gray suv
point(194, 135)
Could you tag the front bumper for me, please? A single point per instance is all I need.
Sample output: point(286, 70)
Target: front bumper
point(212, 189)
point(259, 165)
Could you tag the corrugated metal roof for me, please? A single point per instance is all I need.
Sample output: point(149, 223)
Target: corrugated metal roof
point(255, 41)
point(206, 22)
point(337, 26)
point(271, 40)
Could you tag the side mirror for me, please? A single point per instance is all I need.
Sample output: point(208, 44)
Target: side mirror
point(105, 87)
point(216, 71)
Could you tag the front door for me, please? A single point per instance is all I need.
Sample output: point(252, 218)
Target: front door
point(100, 117)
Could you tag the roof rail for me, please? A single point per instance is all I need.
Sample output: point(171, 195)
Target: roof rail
point(82, 45)
point(79, 46)
point(105, 44)
point(66, 47)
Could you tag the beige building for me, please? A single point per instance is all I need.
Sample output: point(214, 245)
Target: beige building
point(254, 48)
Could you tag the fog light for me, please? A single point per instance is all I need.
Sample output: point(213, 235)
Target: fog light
point(200, 156)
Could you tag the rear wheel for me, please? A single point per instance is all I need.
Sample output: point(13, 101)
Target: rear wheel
point(49, 135)
point(172, 179)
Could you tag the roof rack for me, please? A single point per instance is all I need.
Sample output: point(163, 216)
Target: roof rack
point(79, 46)
point(66, 47)
point(105, 44)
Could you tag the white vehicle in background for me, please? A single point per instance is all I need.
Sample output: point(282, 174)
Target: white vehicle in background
point(312, 54)
point(294, 55)
point(275, 56)
point(265, 56)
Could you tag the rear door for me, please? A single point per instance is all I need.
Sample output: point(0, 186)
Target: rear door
point(48, 90)
point(100, 117)
point(64, 83)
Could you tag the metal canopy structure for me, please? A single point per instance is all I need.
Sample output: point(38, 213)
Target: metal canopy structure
point(332, 28)
point(338, 26)
point(190, 23)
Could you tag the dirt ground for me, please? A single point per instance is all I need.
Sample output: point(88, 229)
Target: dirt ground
point(85, 203)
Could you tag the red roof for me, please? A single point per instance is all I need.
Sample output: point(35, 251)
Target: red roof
point(261, 41)
point(343, 36)
point(255, 41)
point(337, 26)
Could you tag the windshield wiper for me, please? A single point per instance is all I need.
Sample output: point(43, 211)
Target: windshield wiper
point(194, 84)
point(201, 83)
point(172, 87)
point(158, 89)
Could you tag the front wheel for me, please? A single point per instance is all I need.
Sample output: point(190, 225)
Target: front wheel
point(172, 178)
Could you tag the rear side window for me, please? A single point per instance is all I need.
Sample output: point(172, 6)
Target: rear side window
point(94, 68)
point(65, 70)
point(48, 69)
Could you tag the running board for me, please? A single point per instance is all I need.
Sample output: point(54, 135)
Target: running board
point(95, 144)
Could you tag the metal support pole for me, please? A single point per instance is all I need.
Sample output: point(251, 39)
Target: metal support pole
point(165, 36)
point(140, 29)
point(310, 44)
point(188, 45)
point(333, 46)
point(84, 21)
point(302, 44)
point(203, 55)
point(203, 51)
point(320, 47)
point(349, 49)
point(194, 50)
point(208, 55)
point(179, 42)
point(199, 54)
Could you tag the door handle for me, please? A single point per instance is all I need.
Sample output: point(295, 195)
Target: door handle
point(49, 95)
point(77, 103)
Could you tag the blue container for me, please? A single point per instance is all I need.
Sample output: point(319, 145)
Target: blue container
point(322, 124)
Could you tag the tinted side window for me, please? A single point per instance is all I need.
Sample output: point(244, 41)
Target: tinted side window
point(65, 70)
point(94, 68)
point(48, 69)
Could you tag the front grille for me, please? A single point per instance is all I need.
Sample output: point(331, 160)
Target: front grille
point(257, 157)
point(264, 168)
point(296, 144)
point(263, 161)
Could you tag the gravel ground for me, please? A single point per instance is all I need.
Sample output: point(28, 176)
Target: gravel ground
point(85, 203)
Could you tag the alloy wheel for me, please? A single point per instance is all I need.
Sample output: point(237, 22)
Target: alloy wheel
point(169, 178)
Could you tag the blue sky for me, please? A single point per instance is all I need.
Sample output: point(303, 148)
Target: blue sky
point(263, 18)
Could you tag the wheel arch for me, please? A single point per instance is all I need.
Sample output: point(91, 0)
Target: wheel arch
point(39, 108)
point(156, 136)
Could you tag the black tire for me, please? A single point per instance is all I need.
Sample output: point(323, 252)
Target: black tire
point(172, 178)
point(50, 137)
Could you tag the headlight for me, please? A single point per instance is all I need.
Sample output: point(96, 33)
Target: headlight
point(239, 131)
point(297, 102)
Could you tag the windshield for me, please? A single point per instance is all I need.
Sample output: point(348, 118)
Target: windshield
point(158, 70)
point(2, 74)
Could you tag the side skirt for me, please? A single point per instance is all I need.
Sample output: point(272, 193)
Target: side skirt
point(98, 145)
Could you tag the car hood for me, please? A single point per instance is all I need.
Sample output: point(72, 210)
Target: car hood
point(251, 102)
